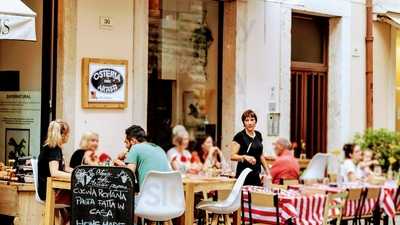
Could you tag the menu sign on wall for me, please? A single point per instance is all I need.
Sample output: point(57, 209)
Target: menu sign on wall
point(102, 196)
point(19, 124)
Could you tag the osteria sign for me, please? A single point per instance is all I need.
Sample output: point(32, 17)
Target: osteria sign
point(104, 83)
point(107, 82)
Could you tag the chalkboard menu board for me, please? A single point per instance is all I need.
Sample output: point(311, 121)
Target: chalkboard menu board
point(102, 196)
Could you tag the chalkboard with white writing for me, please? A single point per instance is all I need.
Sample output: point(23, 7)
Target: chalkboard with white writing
point(102, 196)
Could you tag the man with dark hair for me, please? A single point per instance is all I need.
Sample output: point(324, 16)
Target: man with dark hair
point(142, 155)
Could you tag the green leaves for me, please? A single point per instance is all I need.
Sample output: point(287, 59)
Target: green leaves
point(384, 143)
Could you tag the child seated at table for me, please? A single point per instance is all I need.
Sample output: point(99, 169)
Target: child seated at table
point(368, 162)
point(195, 163)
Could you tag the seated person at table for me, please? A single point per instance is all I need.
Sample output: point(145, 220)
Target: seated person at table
point(178, 156)
point(86, 155)
point(51, 163)
point(210, 155)
point(285, 165)
point(143, 156)
point(195, 163)
point(368, 162)
point(349, 171)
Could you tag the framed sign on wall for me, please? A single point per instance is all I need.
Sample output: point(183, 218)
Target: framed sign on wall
point(104, 83)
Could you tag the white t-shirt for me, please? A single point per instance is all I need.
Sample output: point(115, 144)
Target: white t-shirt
point(347, 167)
point(182, 159)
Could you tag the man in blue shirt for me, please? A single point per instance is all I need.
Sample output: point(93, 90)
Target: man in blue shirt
point(143, 156)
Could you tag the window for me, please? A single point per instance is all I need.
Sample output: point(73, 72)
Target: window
point(183, 60)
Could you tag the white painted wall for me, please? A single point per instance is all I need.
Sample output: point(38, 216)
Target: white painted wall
point(263, 61)
point(117, 43)
point(262, 64)
point(357, 74)
point(384, 75)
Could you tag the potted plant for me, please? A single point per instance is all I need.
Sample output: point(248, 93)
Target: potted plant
point(385, 144)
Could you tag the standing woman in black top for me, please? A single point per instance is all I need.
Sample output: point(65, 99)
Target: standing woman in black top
point(51, 161)
point(247, 149)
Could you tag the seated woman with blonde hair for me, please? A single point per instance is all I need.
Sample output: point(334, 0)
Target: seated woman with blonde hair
point(86, 155)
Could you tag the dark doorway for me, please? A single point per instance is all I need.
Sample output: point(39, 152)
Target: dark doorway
point(159, 112)
point(309, 84)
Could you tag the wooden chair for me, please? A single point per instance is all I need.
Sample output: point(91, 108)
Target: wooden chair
point(370, 193)
point(264, 200)
point(288, 181)
point(279, 186)
point(334, 202)
point(356, 195)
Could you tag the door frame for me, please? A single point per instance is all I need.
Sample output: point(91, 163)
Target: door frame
point(50, 46)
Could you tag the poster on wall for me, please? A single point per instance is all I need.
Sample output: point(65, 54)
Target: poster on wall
point(104, 83)
point(17, 143)
point(19, 124)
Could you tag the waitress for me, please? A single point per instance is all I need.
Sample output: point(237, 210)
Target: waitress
point(247, 149)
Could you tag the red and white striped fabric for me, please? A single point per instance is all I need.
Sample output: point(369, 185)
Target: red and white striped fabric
point(386, 200)
point(303, 210)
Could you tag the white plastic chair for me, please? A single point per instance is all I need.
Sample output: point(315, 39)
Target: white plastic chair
point(231, 204)
point(161, 197)
point(316, 168)
point(34, 163)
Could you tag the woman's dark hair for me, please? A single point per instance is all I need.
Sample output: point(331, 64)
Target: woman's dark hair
point(199, 148)
point(348, 150)
point(249, 114)
point(200, 142)
point(136, 132)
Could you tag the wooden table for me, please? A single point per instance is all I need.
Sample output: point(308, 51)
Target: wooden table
point(18, 200)
point(191, 186)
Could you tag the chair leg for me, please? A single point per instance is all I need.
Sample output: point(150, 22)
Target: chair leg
point(169, 222)
point(227, 219)
point(57, 217)
point(215, 219)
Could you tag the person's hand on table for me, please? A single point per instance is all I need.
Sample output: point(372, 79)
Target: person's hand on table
point(269, 157)
point(118, 162)
point(250, 159)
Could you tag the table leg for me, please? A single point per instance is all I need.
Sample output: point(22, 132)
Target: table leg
point(189, 201)
point(49, 206)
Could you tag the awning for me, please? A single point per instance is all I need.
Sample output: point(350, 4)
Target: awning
point(388, 11)
point(390, 18)
point(17, 21)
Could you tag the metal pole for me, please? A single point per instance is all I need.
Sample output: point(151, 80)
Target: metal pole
point(369, 66)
